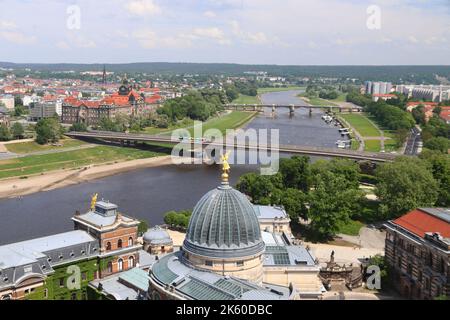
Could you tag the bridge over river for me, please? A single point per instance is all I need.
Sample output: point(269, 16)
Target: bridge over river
point(291, 107)
point(127, 138)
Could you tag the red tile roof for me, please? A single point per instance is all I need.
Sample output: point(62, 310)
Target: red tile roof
point(420, 222)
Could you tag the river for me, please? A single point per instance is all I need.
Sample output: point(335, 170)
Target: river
point(149, 193)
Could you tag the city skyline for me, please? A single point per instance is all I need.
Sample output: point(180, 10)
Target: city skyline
point(324, 32)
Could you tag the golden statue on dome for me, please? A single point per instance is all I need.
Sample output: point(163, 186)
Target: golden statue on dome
point(94, 201)
point(225, 167)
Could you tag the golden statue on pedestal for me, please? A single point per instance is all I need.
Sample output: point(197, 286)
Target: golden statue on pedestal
point(225, 167)
point(94, 201)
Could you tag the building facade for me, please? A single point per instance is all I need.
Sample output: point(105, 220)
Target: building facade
point(60, 267)
point(126, 101)
point(418, 253)
point(226, 256)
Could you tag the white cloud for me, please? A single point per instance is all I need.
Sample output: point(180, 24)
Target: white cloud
point(62, 45)
point(259, 38)
point(143, 7)
point(413, 39)
point(148, 39)
point(10, 33)
point(213, 33)
point(210, 14)
point(17, 37)
point(4, 24)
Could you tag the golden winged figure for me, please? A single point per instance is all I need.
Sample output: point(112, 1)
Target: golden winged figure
point(225, 167)
point(94, 201)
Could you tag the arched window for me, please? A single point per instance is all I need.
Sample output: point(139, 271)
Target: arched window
point(108, 246)
point(130, 241)
point(130, 262)
point(120, 265)
point(110, 270)
point(119, 243)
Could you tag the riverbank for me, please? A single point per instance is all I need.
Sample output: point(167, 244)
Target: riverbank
point(17, 187)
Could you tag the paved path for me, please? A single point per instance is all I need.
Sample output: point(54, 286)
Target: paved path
point(369, 238)
point(359, 137)
point(10, 155)
point(343, 255)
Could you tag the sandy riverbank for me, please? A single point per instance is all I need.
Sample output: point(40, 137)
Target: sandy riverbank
point(15, 187)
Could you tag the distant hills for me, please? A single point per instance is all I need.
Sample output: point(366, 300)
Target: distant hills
point(417, 74)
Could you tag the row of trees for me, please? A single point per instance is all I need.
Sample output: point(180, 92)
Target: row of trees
point(248, 88)
point(178, 219)
point(323, 92)
point(194, 105)
point(15, 132)
point(327, 192)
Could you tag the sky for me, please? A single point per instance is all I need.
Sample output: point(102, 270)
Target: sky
point(284, 32)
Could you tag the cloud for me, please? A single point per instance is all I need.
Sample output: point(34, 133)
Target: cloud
point(148, 39)
point(259, 38)
point(209, 14)
point(213, 33)
point(413, 39)
point(62, 45)
point(4, 24)
point(10, 33)
point(143, 7)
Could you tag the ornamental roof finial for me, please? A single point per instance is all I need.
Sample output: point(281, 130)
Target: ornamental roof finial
point(225, 168)
point(94, 201)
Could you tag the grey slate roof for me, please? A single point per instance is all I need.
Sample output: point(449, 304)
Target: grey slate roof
point(156, 236)
point(224, 224)
point(37, 257)
point(200, 285)
point(441, 213)
point(268, 212)
point(21, 253)
point(278, 253)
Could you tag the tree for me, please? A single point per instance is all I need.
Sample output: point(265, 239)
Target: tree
point(178, 219)
point(404, 185)
point(440, 144)
point(17, 131)
point(294, 202)
point(331, 204)
point(259, 188)
point(78, 127)
point(400, 136)
point(5, 134)
point(440, 167)
point(347, 169)
point(295, 173)
point(48, 131)
point(143, 227)
point(19, 110)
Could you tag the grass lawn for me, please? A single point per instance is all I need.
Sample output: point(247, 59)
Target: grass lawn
point(243, 99)
point(351, 228)
point(318, 101)
point(268, 90)
point(372, 145)
point(341, 98)
point(70, 159)
point(362, 125)
point(29, 147)
point(355, 144)
point(182, 124)
point(233, 120)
